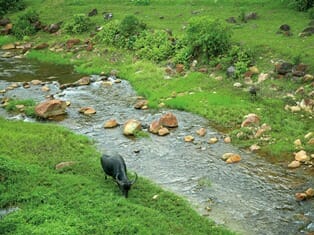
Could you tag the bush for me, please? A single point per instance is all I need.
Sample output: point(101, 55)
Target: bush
point(25, 24)
point(109, 33)
point(183, 53)
point(129, 29)
point(311, 13)
point(302, 5)
point(207, 38)
point(130, 25)
point(8, 5)
point(141, 2)
point(121, 34)
point(155, 46)
point(79, 24)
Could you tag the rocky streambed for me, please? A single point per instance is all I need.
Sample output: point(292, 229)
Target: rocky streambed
point(252, 196)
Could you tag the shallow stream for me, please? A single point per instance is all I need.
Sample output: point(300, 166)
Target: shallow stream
point(252, 197)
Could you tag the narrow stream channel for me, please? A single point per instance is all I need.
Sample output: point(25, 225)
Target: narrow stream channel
point(252, 197)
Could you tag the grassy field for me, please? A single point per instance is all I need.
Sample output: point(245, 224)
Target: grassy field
point(78, 199)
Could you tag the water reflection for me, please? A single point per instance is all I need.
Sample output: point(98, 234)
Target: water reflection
point(15, 68)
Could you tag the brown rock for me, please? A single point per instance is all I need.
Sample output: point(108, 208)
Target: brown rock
point(300, 196)
point(45, 89)
point(311, 141)
point(8, 46)
point(227, 139)
point(36, 82)
point(301, 156)
point(225, 156)
point(179, 68)
point(254, 147)
point(254, 70)
point(188, 138)
point(63, 165)
point(163, 131)
point(87, 110)
point(213, 140)
point(203, 70)
point(26, 85)
point(261, 130)
point(155, 126)
point(250, 119)
point(169, 120)
point(309, 192)
point(50, 108)
point(234, 158)
point(71, 42)
point(83, 81)
point(294, 164)
point(308, 77)
point(140, 104)
point(309, 135)
point(41, 46)
point(297, 143)
point(131, 127)
point(111, 123)
point(201, 132)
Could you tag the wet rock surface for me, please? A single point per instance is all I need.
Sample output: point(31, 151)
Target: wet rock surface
point(252, 196)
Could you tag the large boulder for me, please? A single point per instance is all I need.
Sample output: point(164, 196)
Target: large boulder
point(168, 120)
point(131, 127)
point(250, 119)
point(51, 108)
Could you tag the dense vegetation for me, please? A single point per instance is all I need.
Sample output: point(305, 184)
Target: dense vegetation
point(77, 199)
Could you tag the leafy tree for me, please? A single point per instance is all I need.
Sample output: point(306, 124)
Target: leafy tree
point(207, 38)
point(7, 5)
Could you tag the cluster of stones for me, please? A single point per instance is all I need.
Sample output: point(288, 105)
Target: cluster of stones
point(159, 127)
point(285, 29)
point(252, 122)
point(302, 157)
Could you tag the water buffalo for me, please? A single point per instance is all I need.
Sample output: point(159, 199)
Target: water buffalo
point(115, 167)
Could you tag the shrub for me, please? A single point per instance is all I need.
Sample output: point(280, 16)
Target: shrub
point(8, 5)
point(130, 25)
point(311, 13)
point(24, 25)
point(80, 23)
point(129, 28)
point(302, 5)
point(154, 45)
point(236, 55)
point(207, 38)
point(109, 33)
point(141, 2)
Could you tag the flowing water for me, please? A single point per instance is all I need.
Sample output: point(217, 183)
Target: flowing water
point(251, 197)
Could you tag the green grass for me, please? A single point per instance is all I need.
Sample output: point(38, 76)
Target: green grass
point(77, 199)
point(50, 57)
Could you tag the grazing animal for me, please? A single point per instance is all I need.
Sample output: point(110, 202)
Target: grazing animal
point(115, 167)
point(253, 90)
